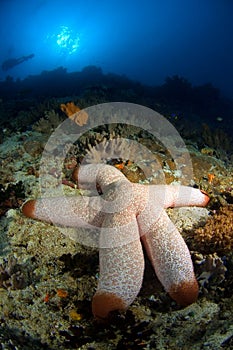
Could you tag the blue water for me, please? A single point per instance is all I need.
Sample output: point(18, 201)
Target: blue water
point(144, 40)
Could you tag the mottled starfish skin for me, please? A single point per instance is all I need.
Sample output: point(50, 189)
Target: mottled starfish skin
point(127, 214)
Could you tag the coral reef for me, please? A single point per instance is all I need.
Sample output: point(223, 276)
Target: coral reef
point(47, 280)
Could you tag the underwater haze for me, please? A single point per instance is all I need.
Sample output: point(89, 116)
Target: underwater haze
point(144, 40)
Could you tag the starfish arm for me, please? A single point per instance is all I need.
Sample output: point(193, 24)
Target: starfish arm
point(75, 211)
point(121, 267)
point(100, 174)
point(177, 196)
point(171, 260)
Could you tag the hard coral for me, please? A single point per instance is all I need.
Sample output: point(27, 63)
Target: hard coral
point(217, 234)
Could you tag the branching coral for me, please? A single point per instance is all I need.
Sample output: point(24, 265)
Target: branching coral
point(217, 234)
point(48, 123)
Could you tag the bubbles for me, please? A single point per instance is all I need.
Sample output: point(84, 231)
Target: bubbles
point(66, 40)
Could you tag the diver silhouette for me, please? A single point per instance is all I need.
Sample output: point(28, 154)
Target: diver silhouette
point(8, 64)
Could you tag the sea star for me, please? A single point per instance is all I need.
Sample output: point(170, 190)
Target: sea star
point(126, 215)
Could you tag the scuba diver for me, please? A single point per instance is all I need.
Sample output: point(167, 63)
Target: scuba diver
point(8, 64)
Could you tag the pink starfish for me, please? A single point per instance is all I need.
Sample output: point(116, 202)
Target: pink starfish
point(126, 215)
